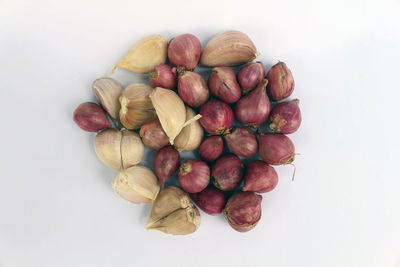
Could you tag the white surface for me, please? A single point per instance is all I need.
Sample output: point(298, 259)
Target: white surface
point(56, 204)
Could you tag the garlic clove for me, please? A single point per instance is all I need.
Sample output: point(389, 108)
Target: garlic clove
point(132, 149)
point(125, 191)
point(170, 110)
point(145, 55)
point(180, 222)
point(168, 200)
point(228, 48)
point(107, 145)
point(136, 107)
point(119, 149)
point(191, 135)
point(107, 91)
point(137, 184)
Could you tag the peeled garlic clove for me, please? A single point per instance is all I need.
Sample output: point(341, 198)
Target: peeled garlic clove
point(136, 107)
point(170, 111)
point(168, 200)
point(191, 135)
point(228, 48)
point(107, 91)
point(145, 55)
point(173, 213)
point(137, 184)
point(180, 222)
point(119, 149)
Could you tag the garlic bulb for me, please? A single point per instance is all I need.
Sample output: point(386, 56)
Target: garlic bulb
point(174, 213)
point(228, 48)
point(145, 55)
point(136, 107)
point(191, 135)
point(137, 184)
point(170, 111)
point(107, 91)
point(119, 149)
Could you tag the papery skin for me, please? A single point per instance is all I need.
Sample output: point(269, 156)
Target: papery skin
point(211, 148)
point(145, 55)
point(184, 51)
point(108, 91)
point(192, 88)
point(193, 175)
point(250, 76)
point(210, 200)
point(243, 211)
point(275, 149)
point(227, 172)
point(260, 177)
point(222, 83)
point(165, 163)
point(91, 117)
point(254, 108)
point(163, 76)
point(217, 117)
point(280, 82)
point(241, 142)
point(285, 117)
point(228, 48)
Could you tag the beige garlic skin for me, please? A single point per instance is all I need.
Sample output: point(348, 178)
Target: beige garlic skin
point(136, 107)
point(108, 91)
point(171, 112)
point(145, 55)
point(229, 48)
point(174, 213)
point(137, 184)
point(191, 135)
point(119, 149)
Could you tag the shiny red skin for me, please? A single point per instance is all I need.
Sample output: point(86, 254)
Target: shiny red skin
point(280, 81)
point(241, 142)
point(163, 76)
point(217, 117)
point(91, 117)
point(253, 109)
point(260, 177)
point(275, 149)
point(166, 162)
point(211, 148)
point(210, 200)
point(193, 175)
point(184, 51)
point(243, 211)
point(192, 88)
point(251, 75)
point(227, 172)
point(222, 83)
point(153, 135)
point(285, 117)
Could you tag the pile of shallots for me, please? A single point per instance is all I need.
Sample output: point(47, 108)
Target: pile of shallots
point(182, 111)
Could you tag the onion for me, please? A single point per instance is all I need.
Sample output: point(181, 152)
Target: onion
point(166, 162)
point(251, 75)
point(275, 149)
point(217, 117)
point(260, 177)
point(241, 142)
point(223, 84)
point(193, 175)
point(254, 108)
point(211, 148)
point(227, 172)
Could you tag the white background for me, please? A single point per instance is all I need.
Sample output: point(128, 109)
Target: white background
point(57, 207)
